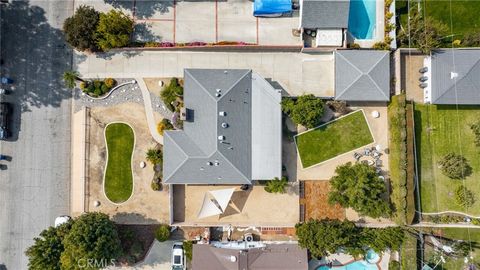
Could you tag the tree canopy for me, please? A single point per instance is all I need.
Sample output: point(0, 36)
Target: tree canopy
point(455, 166)
point(93, 236)
point(80, 29)
point(47, 248)
point(425, 34)
point(359, 187)
point(326, 236)
point(307, 110)
point(464, 197)
point(114, 30)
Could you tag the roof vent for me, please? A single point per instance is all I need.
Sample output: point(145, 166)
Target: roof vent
point(209, 163)
point(222, 113)
point(224, 125)
point(216, 163)
point(218, 94)
point(201, 168)
point(221, 138)
point(225, 71)
point(233, 258)
point(453, 75)
point(218, 90)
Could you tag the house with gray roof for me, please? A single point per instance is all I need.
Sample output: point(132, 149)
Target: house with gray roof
point(453, 77)
point(232, 133)
point(362, 75)
point(272, 256)
point(325, 22)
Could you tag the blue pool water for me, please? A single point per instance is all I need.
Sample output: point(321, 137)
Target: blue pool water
point(362, 17)
point(358, 265)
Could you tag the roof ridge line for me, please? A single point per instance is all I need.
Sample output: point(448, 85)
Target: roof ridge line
point(354, 81)
point(464, 77)
point(220, 153)
point(184, 160)
point(201, 85)
point(236, 82)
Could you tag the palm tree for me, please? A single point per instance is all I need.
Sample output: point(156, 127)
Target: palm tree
point(70, 77)
point(276, 185)
point(154, 156)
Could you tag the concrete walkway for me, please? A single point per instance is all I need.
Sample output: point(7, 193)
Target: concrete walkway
point(296, 73)
point(147, 102)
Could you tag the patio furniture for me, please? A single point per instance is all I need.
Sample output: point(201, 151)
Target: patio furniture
point(423, 69)
point(423, 85)
point(378, 163)
point(370, 162)
point(357, 156)
point(423, 79)
point(375, 114)
point(367, 152)
point(378, 147)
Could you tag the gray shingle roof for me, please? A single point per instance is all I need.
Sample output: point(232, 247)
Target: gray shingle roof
point(325, 14)
point(196, 155)
point(273, 256)
point(466, 63)
point(362, 75)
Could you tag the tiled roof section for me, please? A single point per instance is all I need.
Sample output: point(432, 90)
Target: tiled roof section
point(362, 75)
point(462, 88)
point(318, 14)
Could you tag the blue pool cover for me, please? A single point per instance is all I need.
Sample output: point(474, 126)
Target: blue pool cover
point(271, 7)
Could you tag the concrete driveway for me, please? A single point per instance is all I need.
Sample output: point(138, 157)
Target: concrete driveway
point(296, 73)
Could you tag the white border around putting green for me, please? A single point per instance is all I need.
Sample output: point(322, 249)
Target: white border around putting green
point(131, 162)
point(334, 120)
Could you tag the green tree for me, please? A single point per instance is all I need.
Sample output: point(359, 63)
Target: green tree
point(93, 236)
point(276, 185)
point(464, 197)
point(70, 77)
point(80, 29)
point(188, 247)
point(171, 92)
point(425, 34)
point(322, 237)
point(455, 166)
point(162, 233)
point(359, 187)
point(114, 30)
point(307, 110)
point(471, 39)
point(154, 156)
point(380, 239)
point(47, 248)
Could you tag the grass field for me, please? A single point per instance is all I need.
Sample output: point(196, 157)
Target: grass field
point(334, 138)
point(440, 130)
point(118, 176)
point(465, 17)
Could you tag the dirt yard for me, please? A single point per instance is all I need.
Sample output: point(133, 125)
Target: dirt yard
point(145, 206)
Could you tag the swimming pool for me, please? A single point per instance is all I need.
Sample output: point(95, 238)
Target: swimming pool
point(361, 19)
point(358, 265)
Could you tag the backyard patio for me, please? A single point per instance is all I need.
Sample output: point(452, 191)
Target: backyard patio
point(254, 207)
point(342, 154)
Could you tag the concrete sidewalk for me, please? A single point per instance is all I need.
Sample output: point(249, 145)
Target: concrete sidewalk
point(296, 73)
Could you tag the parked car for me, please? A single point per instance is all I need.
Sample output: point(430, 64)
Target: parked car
point(178, 256)
point(5, 112)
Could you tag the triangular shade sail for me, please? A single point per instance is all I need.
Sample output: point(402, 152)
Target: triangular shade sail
point(215, 202)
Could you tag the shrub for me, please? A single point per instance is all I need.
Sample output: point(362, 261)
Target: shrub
point(464, 197)
point(476, 131)
point(307, 110)
point(156, 185)
point(394, 265)
point(354, 46)
point(471, 39)
point(188, 247)
point(110, 82)
point(388, 15)
point(83, 85)
point(162, 233)
point(113, 30)
point(80, 29)
point(455, 166)
point(97, 92)
point(381, 45)
point(154, 156)
point(163, 125)
point(276, 185)
point(339, 106)
point(104, 88)
point(170, 93)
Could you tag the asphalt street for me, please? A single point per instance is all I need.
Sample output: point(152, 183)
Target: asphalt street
point(34, 189)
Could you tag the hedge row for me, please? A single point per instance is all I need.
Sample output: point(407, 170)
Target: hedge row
point(410, 185)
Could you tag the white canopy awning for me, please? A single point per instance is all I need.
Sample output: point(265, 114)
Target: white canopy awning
point(215, 202)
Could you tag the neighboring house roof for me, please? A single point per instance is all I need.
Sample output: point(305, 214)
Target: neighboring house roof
point(274, 256)
point(362, 75)
point(317, 14)
point(455, 77)
point(205, 152)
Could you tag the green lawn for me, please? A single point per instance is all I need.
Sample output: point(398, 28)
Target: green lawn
point(440, 130)
point(334, 138)
point(465, 17)
point(118, 176)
